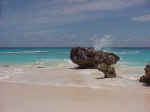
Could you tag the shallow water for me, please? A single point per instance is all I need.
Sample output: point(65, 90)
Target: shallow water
point(47, 56)
point(55, 56)
point(52, 66)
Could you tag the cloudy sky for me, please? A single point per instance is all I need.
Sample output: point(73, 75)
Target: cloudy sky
point(60, 23)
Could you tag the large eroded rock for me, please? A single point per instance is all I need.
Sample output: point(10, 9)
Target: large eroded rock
point(146, 78)
point(91, 58)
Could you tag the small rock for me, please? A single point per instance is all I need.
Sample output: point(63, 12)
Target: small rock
point(146, 78)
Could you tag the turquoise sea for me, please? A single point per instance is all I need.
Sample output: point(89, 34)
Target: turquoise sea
point(54, 56)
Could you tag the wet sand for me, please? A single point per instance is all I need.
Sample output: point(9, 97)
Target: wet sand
point(47, 98)
point(68, 75)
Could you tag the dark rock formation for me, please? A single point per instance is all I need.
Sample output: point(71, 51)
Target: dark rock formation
point(146, 78)
point(108, 70)
point(91, 58)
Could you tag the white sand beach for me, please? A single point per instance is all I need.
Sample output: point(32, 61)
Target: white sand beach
point(66, 89)
point(47, 98)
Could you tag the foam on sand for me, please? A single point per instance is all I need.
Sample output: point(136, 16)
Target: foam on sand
point(68, 75)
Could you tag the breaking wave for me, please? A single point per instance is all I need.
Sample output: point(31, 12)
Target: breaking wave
point(24, 52)
point(128, 52)
point(52, 62)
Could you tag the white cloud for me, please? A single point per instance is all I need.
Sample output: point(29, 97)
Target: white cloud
point(25, 24)
point(142, 18)
point(102, 5)
point(64, 11)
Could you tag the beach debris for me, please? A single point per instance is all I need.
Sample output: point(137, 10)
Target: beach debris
point(97, 59)
point(146, 78)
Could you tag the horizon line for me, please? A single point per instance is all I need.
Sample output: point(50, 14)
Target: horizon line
point(72, 47)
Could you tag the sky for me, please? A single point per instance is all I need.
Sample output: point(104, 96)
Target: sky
point(64, 23)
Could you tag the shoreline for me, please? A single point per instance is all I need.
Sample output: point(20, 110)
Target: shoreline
point(67, 75)
point(35, 88)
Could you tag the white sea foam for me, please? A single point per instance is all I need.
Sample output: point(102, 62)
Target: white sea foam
point(35, 52)
point(101, 42)
point(11, 53)
point(2, 76)
point(18, 71)
point(85, 72)
point(128, 52)
point(133, 78)
point(24, 52)
point(70, 62)
point(50, 62)
point(69, 77)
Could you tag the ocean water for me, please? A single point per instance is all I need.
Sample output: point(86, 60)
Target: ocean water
point(45, 56)
point(132, 56)
point(55, 56)
point(39, 66)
